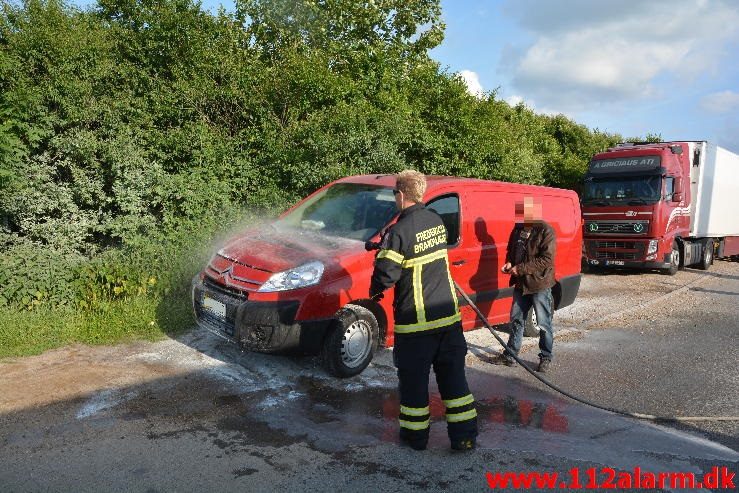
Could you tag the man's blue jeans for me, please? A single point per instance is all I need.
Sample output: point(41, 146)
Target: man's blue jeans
point(543, 307)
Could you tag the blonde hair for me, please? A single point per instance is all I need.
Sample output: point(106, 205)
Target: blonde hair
point(412, 183)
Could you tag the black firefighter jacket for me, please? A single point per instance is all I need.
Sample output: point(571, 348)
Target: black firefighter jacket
point(413, 257)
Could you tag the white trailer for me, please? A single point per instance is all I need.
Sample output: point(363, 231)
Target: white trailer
point(714, 211)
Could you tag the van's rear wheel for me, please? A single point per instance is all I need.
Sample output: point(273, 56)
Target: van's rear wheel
point(351, 342)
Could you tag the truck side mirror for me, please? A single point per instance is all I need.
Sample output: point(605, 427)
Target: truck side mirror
point(677, 197)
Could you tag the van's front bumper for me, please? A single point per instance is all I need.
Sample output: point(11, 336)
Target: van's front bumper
point(262, 326)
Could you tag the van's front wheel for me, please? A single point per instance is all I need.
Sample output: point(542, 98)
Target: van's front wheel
point(351, 343)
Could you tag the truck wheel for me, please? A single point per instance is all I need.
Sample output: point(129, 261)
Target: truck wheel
point(351, 342)
point(674, 260)
point(530, 327)
point(707, 257)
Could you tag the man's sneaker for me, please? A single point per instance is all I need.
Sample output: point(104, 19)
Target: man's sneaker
point(467, 444)
point(503, 359)
point(544, 365)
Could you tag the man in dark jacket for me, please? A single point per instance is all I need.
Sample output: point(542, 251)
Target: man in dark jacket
point(428, 329)
point(530, 261)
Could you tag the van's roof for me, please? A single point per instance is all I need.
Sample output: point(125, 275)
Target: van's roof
point(436, 181)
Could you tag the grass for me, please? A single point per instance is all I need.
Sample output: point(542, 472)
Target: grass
point(24, 333)
point(161, 312)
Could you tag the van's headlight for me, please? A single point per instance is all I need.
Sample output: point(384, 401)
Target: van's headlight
point(299, 277)
point(652, 248)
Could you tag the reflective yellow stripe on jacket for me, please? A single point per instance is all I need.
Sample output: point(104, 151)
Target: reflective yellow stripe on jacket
point(425, 259)
point(391, 255)
point(434, 324)
point(417, 264)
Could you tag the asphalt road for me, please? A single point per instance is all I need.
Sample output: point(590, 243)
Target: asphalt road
point(195, 413)
point(676, 358)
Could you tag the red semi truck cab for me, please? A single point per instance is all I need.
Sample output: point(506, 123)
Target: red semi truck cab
point(301, 283)
point(660, 205)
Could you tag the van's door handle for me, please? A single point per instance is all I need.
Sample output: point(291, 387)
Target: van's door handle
point(458, 262)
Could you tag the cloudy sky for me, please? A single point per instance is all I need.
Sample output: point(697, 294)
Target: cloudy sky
point(634, 67)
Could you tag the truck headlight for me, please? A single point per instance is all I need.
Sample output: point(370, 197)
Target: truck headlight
point(652, 248)
point(299, 277)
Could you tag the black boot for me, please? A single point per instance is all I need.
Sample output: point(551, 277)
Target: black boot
point(414, 442)
point(466, 444)
point(544, 365)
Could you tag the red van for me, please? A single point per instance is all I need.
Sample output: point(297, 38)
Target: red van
point(300, 283)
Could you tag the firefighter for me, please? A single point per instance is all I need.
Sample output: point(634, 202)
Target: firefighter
point(428, 328)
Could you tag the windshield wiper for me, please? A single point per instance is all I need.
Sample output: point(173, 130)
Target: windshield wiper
point(637, 201)
point(598, 202)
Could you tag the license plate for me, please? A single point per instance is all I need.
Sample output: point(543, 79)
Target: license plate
point(214, 306)
point(614, 262)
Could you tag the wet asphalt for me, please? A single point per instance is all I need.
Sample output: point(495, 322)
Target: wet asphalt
point(201, 415)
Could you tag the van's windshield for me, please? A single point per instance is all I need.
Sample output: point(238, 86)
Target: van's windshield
point(346, 210)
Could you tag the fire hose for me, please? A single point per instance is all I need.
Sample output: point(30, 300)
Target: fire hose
point(649, 417)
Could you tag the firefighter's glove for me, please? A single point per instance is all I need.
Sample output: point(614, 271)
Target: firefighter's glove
point(371, 245)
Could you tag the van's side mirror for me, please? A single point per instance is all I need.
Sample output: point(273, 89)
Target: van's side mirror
point(677, 197)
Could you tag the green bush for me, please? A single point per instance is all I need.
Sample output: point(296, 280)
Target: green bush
point(31, 276)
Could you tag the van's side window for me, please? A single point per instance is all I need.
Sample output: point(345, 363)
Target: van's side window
point(448, 208)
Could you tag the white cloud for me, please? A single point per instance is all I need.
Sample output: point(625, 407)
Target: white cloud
point(586, 54)
point(472, 81)
point(721, 102)
point(515, 99)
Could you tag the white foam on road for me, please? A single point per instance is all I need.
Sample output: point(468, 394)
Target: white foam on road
point(103, 400)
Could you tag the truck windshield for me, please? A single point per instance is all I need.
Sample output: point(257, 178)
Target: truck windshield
point(638, 189)
point(346, 210)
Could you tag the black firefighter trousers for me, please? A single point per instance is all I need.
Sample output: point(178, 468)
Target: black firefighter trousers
point(414, 356)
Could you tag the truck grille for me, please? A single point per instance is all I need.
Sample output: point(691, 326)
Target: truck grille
point(616, 249)
point(617, 227)
point(628, 245)
point(615, 255)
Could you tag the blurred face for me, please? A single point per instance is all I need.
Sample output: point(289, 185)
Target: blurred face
point(519, 211)
point(531, 209)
